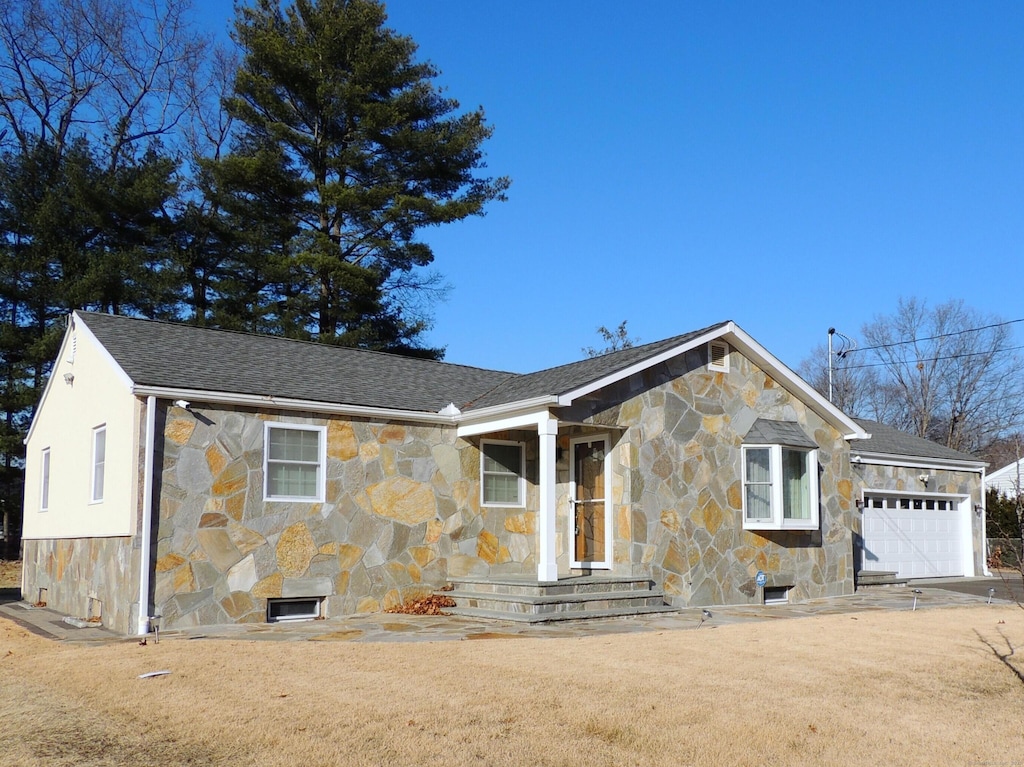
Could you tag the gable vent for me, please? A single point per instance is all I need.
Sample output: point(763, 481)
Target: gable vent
point(718, 356)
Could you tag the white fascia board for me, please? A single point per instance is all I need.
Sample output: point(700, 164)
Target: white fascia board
point(569, 397)
point(519, 421)
point(786, 376)
point(284, 403)
point(912, 462)
point(509, 408)
point(76, 324)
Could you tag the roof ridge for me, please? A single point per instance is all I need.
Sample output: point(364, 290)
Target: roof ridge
point(255, 334)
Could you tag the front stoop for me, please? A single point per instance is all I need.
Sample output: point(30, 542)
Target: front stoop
point(575, 598)
point(878, 578)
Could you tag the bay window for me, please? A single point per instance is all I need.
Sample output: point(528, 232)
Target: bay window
point(780, 487)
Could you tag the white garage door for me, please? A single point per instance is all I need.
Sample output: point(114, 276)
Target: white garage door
point(915, 537)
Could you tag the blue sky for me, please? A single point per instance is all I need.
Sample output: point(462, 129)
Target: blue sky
point(789, 166)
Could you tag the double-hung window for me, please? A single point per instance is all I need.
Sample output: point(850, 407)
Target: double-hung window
point(502, 481)
point(99, 461)
point(44, 484)
point(780, 478)
point(293, 462)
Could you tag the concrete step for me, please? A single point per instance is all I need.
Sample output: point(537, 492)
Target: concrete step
point(879, 578)
point(574, 598)
point(501, 615)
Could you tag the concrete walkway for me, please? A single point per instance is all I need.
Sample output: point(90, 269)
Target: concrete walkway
point(383, 627)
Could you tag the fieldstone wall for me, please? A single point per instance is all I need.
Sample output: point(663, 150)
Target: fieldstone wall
point(905, 479)
point(678, 485)
point(85, 578)
point(402, 512)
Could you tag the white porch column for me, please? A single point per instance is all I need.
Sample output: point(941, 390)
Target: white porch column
point(547, 556)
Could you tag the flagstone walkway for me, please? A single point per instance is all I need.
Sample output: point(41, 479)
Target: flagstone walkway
point(384, 627)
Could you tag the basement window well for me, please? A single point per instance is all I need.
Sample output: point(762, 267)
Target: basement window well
point(304, 609)
point(776, 595)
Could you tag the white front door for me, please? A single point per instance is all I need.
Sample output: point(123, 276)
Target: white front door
point(589, 503)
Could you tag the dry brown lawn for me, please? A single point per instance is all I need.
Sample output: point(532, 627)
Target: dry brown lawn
point(932, 687)
point(10, 574)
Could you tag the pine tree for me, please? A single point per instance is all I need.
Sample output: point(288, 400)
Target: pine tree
point(336, 102)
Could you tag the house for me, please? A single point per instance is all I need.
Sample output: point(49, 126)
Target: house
point(209, 476)
point(1008, 481)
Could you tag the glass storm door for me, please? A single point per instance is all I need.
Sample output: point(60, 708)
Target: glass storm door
point(591, 539)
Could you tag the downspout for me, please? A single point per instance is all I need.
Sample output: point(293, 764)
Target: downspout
point(984, 528)
point(147, 516)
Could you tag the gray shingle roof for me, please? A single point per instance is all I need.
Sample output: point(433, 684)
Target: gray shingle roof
point(768, 432)
point(172, 355)
point(566, 378)
point(890, 441)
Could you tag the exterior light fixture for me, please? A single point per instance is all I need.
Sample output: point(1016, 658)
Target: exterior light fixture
point(69, 378)
point(978, 508)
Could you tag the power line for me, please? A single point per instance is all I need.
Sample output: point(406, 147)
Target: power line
point(928, 359)
point(933, 338)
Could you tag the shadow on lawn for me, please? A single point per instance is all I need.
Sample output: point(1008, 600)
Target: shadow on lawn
point(1004, 657)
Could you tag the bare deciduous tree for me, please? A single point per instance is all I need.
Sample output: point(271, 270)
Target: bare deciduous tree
point(946, 373)
point(115, 72)
point(613, 340)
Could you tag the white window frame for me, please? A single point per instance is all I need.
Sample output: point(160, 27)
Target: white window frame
point(521, 474)
point(777, 520)
point(98, 466)
point(321, 464)
point(44, 480)
point(723, 366)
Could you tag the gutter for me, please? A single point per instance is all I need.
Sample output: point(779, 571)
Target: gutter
point(912, 461)
point(284, 403)
point(147, 517)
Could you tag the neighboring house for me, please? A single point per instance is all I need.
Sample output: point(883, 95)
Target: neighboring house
point(1008, 481)
point(209, 476)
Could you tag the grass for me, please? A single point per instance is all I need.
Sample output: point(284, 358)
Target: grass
point(10, 574)
point(937, 686)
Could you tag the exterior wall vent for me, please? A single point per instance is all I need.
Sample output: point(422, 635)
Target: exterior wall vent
point(718, 356)
point(302, 609)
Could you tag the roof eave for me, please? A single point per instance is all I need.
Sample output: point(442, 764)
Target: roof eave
point(568, 397)
point(287, 403)
point(921, 461)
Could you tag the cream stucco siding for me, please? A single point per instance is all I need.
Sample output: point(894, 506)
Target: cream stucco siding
point(100, 395)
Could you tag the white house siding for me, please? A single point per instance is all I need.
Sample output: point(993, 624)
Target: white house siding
point(81, 556)
point(68, 414)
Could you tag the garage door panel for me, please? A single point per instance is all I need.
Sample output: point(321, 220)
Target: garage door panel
point(916, 542)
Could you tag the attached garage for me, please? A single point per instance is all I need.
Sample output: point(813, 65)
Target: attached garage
point(916, 536)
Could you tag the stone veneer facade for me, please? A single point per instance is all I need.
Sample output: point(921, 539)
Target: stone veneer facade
point(85, 577)
point(403, 513)
point(678, 485)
